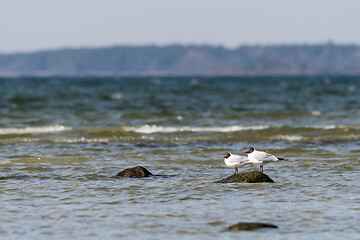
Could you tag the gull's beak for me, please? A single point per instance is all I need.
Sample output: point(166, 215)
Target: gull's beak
point(247, 151)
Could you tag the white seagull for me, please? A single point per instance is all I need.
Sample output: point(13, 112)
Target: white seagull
point(235, 161)
point(261, 158)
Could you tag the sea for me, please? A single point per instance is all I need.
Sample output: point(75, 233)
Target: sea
point(63, 140)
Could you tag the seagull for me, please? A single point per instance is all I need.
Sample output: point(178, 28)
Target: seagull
point(261, 158)
point(235, 161)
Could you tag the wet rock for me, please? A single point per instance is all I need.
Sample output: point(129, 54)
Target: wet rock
point(247, 177)
point(135, 172)
point(248, 226)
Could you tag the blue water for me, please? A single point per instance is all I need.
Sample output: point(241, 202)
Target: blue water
point(63, 139)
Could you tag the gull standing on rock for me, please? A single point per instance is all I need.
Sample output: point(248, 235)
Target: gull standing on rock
point(261, 158)
point(235, 161)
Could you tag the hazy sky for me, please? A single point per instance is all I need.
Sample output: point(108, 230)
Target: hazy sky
point(29, 25)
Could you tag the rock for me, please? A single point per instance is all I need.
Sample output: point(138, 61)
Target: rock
point(248, 226)
point(135, 172)
point(247, 177)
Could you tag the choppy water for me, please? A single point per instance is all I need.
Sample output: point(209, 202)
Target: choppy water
point(63, 140)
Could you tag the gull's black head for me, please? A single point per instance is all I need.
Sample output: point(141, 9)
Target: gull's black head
point(250, 150)
point(227, 155)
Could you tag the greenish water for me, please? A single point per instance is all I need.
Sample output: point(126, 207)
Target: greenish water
point(62, 140)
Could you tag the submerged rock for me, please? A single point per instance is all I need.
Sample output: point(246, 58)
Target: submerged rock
point(248, 226)
point(247, 177)
point(134, 172)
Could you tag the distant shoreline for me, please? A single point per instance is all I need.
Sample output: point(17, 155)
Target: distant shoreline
point(198, 77)
point(193, 60)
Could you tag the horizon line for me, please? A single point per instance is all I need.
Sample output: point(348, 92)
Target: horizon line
point(64, 48)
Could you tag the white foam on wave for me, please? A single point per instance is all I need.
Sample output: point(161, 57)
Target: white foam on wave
point(82, 140)
point(316, 113)
point(290, 138)
point(30, 130)
point(116, 96)
point(149, 129)
point(326, 127)
point(329, 127)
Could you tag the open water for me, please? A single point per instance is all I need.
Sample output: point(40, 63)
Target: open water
point(62, 140)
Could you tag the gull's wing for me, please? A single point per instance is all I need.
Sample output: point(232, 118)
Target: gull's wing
point(238, 159)
point(264, 157)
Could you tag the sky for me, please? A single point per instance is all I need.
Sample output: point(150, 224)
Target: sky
point(27, 26)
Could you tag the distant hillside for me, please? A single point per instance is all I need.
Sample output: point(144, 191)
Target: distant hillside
point(187, 60)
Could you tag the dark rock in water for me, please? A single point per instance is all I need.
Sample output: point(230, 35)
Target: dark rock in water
point(247, 177)
point(134, 172)
point(248, 226)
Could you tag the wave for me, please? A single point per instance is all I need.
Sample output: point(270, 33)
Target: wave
point(32, 130)
point(149, 129)
point(156, 133)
